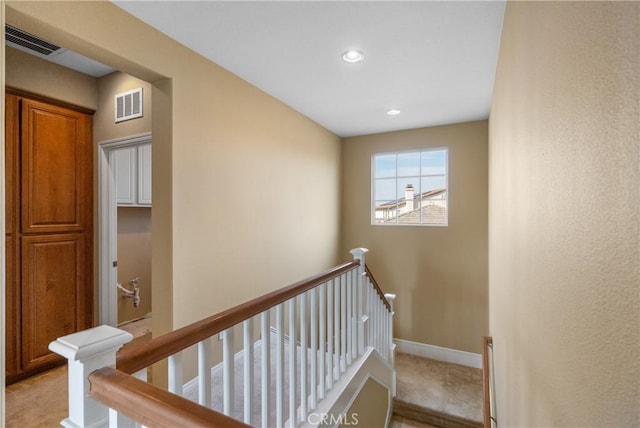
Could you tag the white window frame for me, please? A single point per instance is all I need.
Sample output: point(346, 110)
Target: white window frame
point(420, 176)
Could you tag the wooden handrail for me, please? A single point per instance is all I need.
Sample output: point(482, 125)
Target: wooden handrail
point(377, 287)
point(131, 359)
point(150, 405)
point(487, 342)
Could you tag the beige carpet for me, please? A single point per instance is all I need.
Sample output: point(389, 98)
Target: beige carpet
point(451, 394)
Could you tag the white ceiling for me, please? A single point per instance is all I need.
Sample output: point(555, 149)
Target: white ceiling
point(433, 60)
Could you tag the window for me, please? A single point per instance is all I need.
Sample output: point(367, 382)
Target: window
point(410, 188)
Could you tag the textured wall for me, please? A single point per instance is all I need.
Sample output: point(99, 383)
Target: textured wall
point(438, 273)
point(564, 215)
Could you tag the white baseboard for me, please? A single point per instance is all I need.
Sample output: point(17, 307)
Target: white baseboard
point(438, 353)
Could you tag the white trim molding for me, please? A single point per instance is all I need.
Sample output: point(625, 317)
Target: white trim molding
point(438, 353)
point(107, 226)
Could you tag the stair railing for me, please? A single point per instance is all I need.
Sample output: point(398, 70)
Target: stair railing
point(381, 326)
point(329, 321)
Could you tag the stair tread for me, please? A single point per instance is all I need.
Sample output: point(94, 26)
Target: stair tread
point(441, 391)
point(403, 422)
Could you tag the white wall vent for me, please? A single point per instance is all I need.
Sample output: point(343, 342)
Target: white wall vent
point(27, 42)
point(128, 105)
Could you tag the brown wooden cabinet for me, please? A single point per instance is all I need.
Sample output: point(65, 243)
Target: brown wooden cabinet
point(49, 229)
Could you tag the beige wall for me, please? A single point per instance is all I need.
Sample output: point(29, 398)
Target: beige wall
point(35, 75)
point(134, 224)
point(104, 126)
point(369, 409)
point(134, 260)
point(438, 273)
point(564, 209)
point(246, 190)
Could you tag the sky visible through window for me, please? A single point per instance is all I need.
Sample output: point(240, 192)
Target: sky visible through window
point(425, 171)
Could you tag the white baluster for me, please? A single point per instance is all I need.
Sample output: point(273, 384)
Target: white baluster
point(360, 255)
point(348, 319)
point(343, 323)
point(381, 309)
point(336, 329)
point(292, 362)
point(380, 306)
point(367, 292)
point(265, 366)
point(330, 341)
point(118, 420)
point(204, 372)
point(247, 327)
point(383, 331)
point(228, 365)
point(385, 334)
point(357, 333)
point(303, 357)
point(376, 318)
point(392, 351)
point(175, 374)
point(322, 340)
point(280, 365)
point(354, 314)
point(360, 313)
point(371, 341)
point(389, 335)
point(313, 384)
point(380, 325)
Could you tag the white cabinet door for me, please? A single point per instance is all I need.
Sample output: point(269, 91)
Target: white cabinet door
point(126, 171)
point(144, 174)
point(133, 175)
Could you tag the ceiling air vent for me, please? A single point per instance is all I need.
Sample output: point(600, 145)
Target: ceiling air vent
point(25, 41)
point(128, 105)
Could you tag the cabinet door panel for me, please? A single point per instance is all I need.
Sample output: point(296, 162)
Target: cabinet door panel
point(56, 159)
point(11, 161)
point(12, 310)
point(54, 292)
point(144, 174)
point(125, 167)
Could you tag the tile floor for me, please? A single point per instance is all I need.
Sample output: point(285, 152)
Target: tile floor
point(41, 400)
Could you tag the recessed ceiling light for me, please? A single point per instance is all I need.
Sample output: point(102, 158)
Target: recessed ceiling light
point(353, 56)
point(393, 112)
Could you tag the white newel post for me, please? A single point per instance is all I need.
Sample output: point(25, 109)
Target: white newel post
point(392, 351)
point(87, 351)
point(360, 255)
